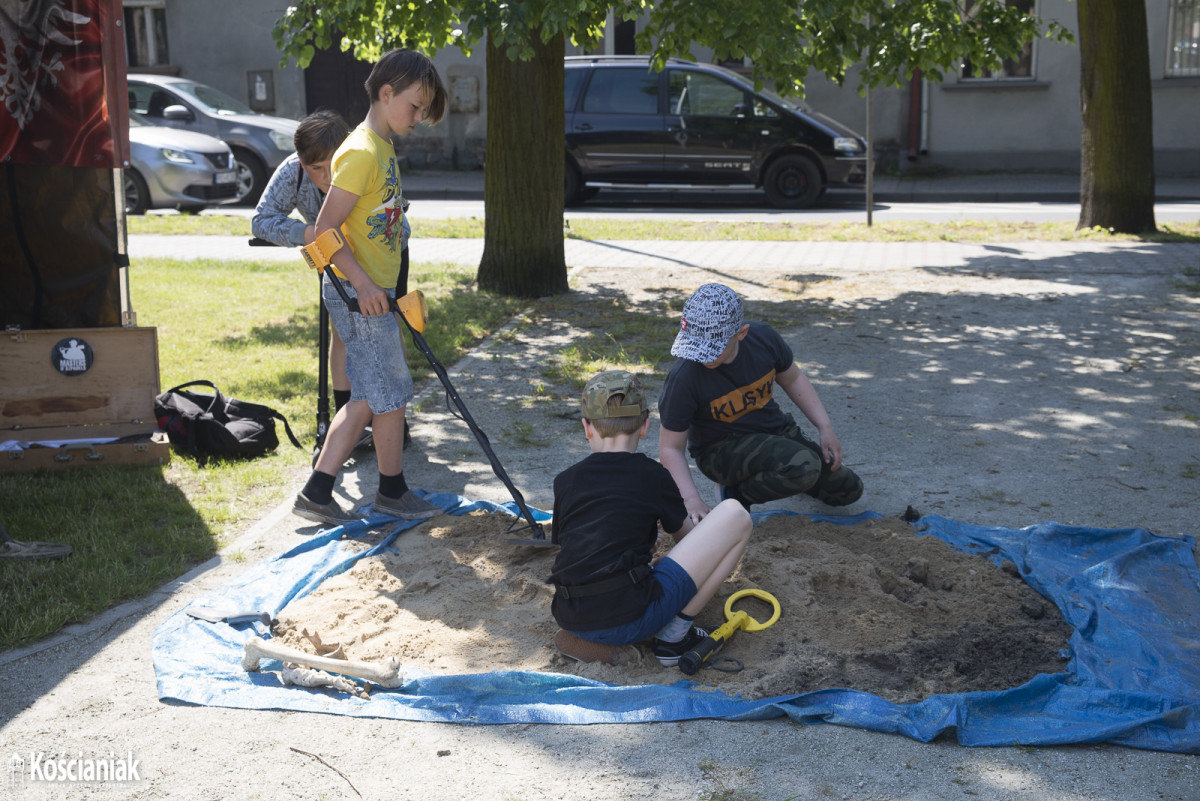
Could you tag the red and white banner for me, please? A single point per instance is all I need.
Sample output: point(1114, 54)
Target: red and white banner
point(63, 92)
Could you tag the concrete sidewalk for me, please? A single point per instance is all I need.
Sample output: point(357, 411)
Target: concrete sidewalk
point(961, 188)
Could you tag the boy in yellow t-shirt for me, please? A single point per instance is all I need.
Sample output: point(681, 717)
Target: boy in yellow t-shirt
point(364, 202)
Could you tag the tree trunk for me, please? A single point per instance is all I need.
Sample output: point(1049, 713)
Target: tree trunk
point(1117, 169)
point(523, 183)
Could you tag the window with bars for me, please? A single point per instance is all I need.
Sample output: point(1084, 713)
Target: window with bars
point(1183, 39)
point(146, 33)
point(1019, 68)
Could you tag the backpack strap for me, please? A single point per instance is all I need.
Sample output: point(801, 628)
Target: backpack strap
point(218, 400)
point(286, 427)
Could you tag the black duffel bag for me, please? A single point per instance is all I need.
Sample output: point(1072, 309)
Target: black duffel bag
point(207, 425)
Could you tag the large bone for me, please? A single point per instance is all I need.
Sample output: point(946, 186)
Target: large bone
point(385, 675)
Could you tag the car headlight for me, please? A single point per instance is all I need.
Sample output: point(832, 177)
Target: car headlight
point(177, 156)
point(281, 140)
point(848, 145)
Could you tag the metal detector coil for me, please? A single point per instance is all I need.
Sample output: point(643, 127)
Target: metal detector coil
point(694, 659)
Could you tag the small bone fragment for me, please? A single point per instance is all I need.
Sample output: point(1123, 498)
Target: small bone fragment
point(308, 677)
point(386, 674)
point(333, 650)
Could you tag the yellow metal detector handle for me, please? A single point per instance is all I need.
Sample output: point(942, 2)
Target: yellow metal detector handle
point(322, 249)
point(692, 661)
point(412, 307)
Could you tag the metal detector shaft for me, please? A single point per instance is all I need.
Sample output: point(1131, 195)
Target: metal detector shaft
point(539, 536)
point(322, 371)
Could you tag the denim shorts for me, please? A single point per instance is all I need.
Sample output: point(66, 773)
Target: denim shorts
point(374, 357)
point(678, 589)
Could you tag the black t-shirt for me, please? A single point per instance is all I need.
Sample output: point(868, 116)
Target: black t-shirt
point(607, 509)
point(710, 403)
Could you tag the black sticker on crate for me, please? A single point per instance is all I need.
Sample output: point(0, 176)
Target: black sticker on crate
point(71, 356)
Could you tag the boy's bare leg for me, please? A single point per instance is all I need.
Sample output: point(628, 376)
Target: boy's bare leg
point(710, 551)
point(389, 441)
point(342, 436)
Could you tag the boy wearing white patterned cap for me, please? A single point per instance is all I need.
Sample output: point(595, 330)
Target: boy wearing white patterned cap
point(718, 402)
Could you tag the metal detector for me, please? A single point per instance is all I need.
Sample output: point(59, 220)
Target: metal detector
point(317, 256)
point(322, 374)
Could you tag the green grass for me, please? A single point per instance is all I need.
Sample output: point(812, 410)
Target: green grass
point(251, 328)
point(643, 229)
point(193, 224)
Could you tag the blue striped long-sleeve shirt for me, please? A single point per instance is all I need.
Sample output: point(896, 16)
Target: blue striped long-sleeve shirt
point(288, 190)
point(291, 190)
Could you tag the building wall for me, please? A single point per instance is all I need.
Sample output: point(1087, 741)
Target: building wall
point(458, 142)
point(1016, 125)
point(224, 42)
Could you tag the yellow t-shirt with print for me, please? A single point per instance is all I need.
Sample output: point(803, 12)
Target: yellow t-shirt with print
point(365, 165)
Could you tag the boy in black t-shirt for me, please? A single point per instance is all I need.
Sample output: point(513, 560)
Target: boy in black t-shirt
point(607, 511)
point(718, 400)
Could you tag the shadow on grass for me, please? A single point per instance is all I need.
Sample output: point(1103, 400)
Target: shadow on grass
point(130, 531)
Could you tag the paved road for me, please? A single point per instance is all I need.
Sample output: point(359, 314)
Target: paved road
point(746, 208)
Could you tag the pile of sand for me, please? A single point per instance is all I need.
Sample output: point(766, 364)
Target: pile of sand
point(871, 606)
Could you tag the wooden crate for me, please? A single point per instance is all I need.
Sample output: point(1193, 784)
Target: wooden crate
point(69, 386)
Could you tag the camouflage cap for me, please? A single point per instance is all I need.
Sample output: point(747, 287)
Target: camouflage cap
point(711, 316)
point(613, 382)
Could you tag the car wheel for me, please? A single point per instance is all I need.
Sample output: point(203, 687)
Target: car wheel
point(137, 194)
point(793, 182)
point(251, 176)
point(574, 191)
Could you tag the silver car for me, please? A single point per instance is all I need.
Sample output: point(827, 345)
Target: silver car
point(172, 169)
point(259, 142)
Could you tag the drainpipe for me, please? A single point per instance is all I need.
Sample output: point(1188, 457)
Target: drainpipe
point(916, 110)
point(924, 117)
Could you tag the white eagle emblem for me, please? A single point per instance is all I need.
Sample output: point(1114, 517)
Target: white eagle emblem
point(28, 61)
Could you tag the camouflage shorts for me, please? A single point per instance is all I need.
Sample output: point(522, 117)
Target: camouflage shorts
point(766, 467)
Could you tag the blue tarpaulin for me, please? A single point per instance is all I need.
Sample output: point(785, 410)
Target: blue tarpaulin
point(1132, 597)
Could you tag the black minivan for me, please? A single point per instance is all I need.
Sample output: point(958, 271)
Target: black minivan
point(698, 125)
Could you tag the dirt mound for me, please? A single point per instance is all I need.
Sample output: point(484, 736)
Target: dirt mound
point(872, 606)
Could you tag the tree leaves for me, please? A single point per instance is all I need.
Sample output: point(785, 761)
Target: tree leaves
point(783, 39)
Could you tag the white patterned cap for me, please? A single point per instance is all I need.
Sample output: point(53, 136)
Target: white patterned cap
point(711, 316)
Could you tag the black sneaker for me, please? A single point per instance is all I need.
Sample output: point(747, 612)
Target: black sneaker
point(407, 437)
point(331, 513)
point(668, 653)
point(408, 506)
